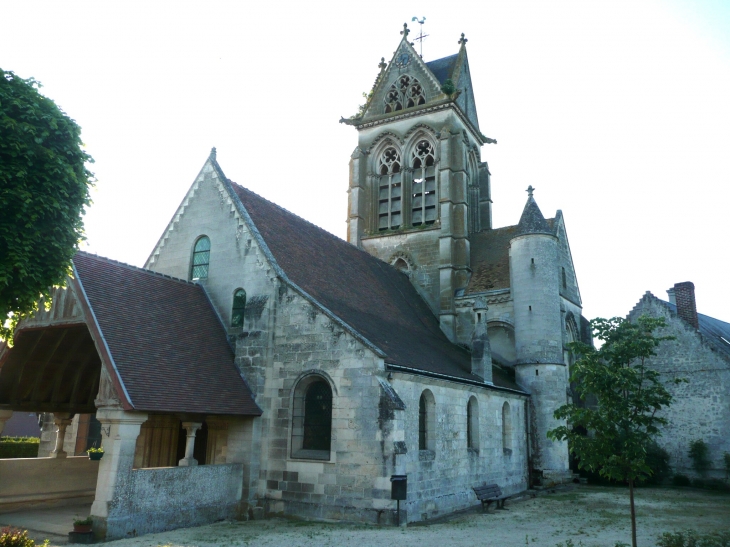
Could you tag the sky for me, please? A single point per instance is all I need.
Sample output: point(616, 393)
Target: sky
point(618, 113)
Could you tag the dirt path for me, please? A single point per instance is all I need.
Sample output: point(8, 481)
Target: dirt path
point(589, 516)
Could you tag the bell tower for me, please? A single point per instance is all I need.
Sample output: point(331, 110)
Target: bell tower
point(418, 185)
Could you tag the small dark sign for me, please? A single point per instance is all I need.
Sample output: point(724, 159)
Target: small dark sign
point(398, 487)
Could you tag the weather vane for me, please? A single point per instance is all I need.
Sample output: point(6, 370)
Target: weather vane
point(421, 36)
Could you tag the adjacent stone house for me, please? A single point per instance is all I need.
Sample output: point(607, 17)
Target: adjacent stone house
point(305, 371)
point(700, 353)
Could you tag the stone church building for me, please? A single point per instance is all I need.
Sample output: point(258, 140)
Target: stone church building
point(258, 364)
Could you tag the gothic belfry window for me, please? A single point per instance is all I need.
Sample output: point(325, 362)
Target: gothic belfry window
point(389, 189)
point(405, 93)
point(424, 184)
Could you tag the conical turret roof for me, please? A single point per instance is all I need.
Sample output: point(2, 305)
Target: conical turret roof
point(532, 221)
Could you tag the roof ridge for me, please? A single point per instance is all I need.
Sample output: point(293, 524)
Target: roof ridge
point(330, 234)
point(133, 267)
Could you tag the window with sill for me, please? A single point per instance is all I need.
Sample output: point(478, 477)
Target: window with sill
point(506, 428)
point(239, 308)
point(312, 419)
point(426, 421)
point(201, 259)
point(472, 424)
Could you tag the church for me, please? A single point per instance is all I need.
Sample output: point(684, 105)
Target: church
point(258, 365)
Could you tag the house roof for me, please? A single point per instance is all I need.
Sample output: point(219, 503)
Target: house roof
point(443, 68)
point(375, 299)
point(713, 330)
point(490, 257)
point(167, 344)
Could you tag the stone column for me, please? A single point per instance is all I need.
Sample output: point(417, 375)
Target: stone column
point(4, 417)
point(192, 429)
point(62, 421)
point(119, 432)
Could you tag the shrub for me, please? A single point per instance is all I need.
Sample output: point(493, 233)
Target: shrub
point(19, 447)
point(658, 461)
point(698, 454)
point(690, 538)
point(717, 484)
point(680, 480)
point(14, 537)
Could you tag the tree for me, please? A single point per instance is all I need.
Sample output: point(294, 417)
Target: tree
point(623, 420)
point(44, 187)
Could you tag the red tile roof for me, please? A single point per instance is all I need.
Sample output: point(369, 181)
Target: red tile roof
point(168, 345)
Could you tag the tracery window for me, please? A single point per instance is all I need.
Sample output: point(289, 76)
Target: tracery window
point(201, 259)
point(389, 190)
point(405, 93)
point(239, 308)
point(424, 184)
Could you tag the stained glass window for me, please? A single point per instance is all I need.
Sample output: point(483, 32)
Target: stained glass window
point(201, 259)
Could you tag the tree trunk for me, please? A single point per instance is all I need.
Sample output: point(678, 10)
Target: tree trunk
point(633, 513)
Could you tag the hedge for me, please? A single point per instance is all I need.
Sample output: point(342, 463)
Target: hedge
point(19, 447)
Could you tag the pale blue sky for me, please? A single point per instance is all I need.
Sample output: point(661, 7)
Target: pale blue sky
point(616, 112)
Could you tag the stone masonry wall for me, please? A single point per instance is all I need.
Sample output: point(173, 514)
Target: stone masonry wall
point(423, 248)
point(700, 409)
point(440, 481)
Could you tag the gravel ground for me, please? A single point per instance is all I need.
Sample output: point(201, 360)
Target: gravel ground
point(587, 515)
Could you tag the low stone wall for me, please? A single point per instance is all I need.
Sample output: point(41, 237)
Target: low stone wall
point(165, 498)
point(26, 480)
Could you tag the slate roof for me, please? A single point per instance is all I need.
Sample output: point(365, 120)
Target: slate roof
point(372, 297)
point(490, 257)
point(443, 68)
point(167, 343)
point(532, 221)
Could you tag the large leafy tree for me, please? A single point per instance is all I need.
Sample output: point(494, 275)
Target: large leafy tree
point(44, 187)
point(625, 396)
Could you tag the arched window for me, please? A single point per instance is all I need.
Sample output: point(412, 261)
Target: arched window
point(389, 189)
point(312, 419)
point(424, 184)
point(506, 428)
point(201, 259)
point(239, 308)
point(406, 92)
point(472, 424)
point(426, 421)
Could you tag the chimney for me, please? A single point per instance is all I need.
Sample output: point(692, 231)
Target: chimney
point(481, 351)
point(684, 294)
point(672, 298)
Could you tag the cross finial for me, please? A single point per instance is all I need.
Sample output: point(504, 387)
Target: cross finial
point(405, 30)
point(530, 190)
point(463, 40)
point(382, 64)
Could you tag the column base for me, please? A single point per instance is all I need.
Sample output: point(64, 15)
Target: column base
point(187, 462)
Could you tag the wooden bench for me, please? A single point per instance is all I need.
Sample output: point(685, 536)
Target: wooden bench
point(489, 493)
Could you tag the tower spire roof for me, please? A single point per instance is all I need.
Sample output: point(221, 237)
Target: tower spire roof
point(532, 221)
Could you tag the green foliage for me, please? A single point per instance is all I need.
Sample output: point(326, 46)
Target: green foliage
point(681, 480)
point(657, 459)
point(19, 447)
point(448, 87)
point(690, 538)
point(361, 108)
point(93, 450)
point(84, 522)
point(14, 537)
point(628, 396)
point(44, 187)
point(698, 454)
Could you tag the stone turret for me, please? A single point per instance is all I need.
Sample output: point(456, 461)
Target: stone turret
point(540, 367)
point(481, 352)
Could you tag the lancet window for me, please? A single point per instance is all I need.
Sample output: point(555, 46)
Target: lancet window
point(390, 190)
point(201, 259)
point(405, 93)
point(424, 184)
point(239, 308)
